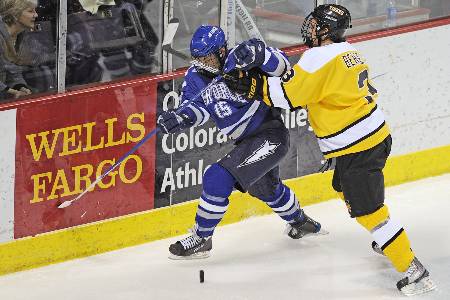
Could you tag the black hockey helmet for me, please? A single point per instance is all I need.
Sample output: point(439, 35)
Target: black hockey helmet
point(326, 21)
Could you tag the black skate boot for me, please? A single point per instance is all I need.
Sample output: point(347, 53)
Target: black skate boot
point(417, 280)
point(192, 247)
point(301, 228)
point(377, 248)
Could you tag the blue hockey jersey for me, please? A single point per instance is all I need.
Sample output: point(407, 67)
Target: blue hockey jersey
point(234, 115)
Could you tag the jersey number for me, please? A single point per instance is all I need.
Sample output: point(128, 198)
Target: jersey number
point(222, 109)
point(288, 75)
point(363, 78)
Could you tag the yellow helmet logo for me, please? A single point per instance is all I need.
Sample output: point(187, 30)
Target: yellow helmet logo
point(337, 10)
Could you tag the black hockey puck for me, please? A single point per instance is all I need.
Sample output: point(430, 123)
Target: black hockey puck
point(202, 276)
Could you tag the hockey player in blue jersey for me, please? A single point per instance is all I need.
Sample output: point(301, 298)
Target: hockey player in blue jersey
point(261, 139)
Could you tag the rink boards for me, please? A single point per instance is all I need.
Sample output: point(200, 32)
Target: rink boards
point(54, 146)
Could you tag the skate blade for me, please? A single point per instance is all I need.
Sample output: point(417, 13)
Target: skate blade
point(321, 232)
point(198, 255)
point(423, 286)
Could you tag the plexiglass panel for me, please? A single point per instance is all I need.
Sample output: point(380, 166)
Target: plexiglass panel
point(108, 40)
point(27, 49)
point(278, 21)
point(369, 15)
point(191, 14)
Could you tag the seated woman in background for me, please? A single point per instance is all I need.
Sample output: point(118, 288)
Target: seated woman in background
point(16, 16)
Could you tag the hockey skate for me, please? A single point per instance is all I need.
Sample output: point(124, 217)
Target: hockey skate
point(377, 249)
point(416, 281)
point(304, 227)
point(192, 247)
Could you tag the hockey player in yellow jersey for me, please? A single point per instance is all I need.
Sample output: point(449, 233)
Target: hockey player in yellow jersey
point(332, 81)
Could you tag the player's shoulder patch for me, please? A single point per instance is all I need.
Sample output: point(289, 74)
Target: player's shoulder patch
point(288, 75)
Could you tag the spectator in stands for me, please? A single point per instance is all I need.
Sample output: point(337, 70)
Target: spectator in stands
point(16, 16)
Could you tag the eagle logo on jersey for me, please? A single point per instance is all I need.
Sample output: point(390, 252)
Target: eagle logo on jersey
point(267, 148)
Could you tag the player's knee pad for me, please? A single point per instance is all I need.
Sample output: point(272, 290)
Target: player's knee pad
point(217, 181)
point(363, 191)
point(266, 188)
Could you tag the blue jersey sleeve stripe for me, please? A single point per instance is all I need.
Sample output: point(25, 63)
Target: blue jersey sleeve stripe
point(275, 63)
point(197, 115)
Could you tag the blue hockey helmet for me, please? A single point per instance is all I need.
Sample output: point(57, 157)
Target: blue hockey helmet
point(207, 39)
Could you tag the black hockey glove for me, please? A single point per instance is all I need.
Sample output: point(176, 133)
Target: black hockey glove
point(248, 84)
point(171, 122)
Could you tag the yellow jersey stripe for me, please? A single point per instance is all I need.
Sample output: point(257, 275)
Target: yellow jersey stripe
point(355, 142)
point(353, 134)
point(351, 125)
point(369, 141)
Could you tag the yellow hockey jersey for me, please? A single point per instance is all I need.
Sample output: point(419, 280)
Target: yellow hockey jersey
point(332, 82)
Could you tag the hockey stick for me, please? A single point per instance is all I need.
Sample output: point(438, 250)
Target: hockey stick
point(141, 142)
point(169, 34)
point(379, 75)
point(247, 21)
point(168, 48)
point(243, 15)
point(170, 31)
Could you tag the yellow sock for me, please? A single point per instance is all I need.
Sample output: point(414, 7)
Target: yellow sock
point(390, 236)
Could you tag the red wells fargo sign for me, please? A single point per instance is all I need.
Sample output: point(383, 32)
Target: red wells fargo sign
point(64, 145)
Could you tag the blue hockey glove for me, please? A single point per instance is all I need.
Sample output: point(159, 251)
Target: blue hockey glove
point(250, 54)
point(171, 122)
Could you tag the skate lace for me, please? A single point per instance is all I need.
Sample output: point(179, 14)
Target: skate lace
point(412, 270)
point(191, 241)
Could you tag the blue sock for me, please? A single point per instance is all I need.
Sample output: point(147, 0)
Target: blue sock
point(285, 204)
point(218, 184)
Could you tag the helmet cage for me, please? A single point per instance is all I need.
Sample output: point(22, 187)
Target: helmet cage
point(209, 65)
point(207, 46)
point(326, 21)
point(212, 64)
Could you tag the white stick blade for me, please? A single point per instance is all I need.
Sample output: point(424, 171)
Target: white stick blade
point(65, 204)
point(170, 31)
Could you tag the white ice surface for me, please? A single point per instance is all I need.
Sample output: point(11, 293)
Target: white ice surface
point(254, 260)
